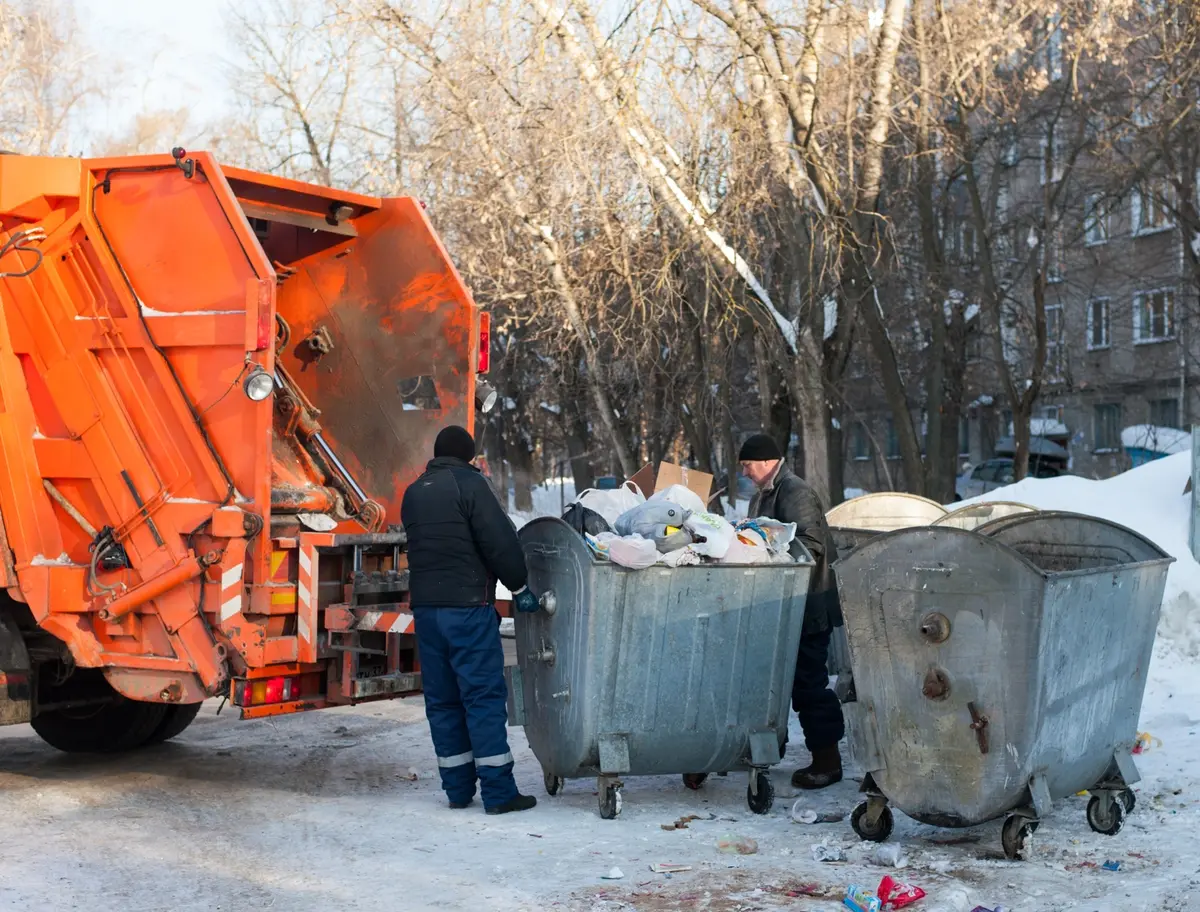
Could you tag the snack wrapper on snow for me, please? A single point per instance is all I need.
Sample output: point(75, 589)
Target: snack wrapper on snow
point(896, 895)
point(716, 531)
point(611, 504)
point(682, 495)
point(860, 899)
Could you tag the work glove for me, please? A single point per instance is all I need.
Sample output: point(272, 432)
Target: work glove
point(525, 600)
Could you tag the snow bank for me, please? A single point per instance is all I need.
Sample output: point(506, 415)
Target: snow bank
point(1149, 500)
point(1156, 439)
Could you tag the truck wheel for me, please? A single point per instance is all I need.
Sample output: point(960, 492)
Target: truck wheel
point(175, 720)
point(120, 725)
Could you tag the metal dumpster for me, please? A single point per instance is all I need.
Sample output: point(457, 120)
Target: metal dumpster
point(998, 670)
point(658, 671)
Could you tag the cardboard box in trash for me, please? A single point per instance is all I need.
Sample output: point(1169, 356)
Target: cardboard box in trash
point(650, 481)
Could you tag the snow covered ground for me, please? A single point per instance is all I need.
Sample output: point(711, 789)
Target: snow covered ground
point(322, 811)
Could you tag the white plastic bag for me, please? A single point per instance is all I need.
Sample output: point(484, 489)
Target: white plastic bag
point(611, 504)
point(632, 551)
point(682, 495)
point(717, 532)
point(747, 547)
point(779, 534)
point(684, 557)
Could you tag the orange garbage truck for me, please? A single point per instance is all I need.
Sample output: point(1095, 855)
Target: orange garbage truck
point(215, 385)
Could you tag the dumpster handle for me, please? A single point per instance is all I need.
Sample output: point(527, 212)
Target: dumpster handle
point(549, 602)
point(979, 724)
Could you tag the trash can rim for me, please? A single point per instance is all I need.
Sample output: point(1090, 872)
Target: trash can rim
point(881, 538)
point(845, 510)
point(963, 508)
point(577, 540)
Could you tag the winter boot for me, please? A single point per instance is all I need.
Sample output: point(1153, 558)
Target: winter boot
point(520, 803)
point(459, 805)
point(825, 770)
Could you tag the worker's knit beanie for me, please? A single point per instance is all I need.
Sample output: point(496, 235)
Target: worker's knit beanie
point(456, 442)
point(760, 448)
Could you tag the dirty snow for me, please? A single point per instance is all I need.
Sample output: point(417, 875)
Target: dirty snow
point(319, 811)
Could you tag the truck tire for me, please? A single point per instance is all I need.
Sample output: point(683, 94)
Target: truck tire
point(120, 725)
point(175, 720)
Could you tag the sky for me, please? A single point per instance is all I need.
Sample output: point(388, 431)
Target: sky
point(165, 55)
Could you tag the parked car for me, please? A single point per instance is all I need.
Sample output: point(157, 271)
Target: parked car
point(996, 473)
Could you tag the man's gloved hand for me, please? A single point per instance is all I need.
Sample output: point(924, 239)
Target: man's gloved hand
point(525, 600)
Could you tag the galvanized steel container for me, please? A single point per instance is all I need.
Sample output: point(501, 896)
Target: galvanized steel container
point(657, 671)
point(885, 512)
point(1000, 669)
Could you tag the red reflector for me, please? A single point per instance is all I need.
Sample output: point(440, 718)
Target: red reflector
point(275, 690)
point(485, 342)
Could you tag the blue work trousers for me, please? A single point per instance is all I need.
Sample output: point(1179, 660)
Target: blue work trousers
point(466, 701)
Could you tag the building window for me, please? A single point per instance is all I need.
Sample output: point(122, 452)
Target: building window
point(964, 241)
point(974, 347)
point(1095, 220)
point(1053, 413)
point(1052, 53)
point(1056, 269)
point(860, 443)
point(1010, 146)
point(893, 440)
point(1154, 316)
point(1006, 423)
point(1097, 326)
point(1108, 428)
point(964, 437)
point(1151, 203)
point(1164, 413)
point(1054, 343)
point(1052, 157)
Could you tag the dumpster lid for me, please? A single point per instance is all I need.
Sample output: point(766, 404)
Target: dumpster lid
point(1063, 542)
point(974, 515)
point(885, 512)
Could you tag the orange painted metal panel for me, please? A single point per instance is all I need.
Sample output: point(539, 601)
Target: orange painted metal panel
point(122, 363)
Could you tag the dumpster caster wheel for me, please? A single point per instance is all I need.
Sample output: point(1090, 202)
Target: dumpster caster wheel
point(694, 781)
point(610, 802)
point(554, 784)
point(1017, 837)
point(1106, 814)
point(877, 833)
point(760, 793)
point(1128, 799)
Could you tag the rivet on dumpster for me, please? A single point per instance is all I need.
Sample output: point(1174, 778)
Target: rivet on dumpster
point(998, 669)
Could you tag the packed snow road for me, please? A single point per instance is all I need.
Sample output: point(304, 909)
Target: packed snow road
point(320, 811)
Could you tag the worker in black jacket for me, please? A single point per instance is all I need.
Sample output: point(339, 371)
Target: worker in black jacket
point(784, 496)
point(460, 542)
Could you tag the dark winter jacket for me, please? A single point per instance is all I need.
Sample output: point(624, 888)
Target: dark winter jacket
point(459, 539)
point(790, 499)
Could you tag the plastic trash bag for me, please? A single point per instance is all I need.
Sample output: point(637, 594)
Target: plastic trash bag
point(630, 551)
point(778, 534)
point(684, 557)
point(682, 495)
point(584, 519)
point(747, 548)
point(611, 504)
point(714, 534)
point(647, 518)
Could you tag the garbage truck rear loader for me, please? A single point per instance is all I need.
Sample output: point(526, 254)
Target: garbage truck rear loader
point(215, 385)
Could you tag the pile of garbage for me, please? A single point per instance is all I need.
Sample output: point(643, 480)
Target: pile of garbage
point(672, 527)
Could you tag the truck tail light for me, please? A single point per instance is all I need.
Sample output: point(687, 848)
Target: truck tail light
point(266, 690)
point(485, 343)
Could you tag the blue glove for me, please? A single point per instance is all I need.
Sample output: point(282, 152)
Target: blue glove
point(526, 601)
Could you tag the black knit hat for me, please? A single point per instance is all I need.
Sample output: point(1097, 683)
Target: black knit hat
point(760, 448)
point(456, 442)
